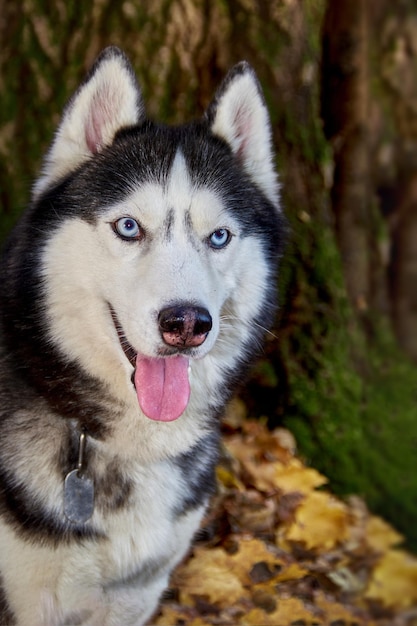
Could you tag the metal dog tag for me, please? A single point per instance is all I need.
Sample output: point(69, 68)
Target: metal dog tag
point(79, 489)
point(78, 497)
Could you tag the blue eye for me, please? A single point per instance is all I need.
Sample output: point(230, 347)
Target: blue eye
point(219, 238)
point(128, 228)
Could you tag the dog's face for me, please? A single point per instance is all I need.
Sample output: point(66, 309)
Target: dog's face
point(160, 255)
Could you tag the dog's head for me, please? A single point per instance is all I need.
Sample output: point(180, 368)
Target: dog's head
point(161, 242)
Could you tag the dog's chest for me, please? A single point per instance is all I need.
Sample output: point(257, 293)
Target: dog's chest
point(120, 572)
point(126, 572)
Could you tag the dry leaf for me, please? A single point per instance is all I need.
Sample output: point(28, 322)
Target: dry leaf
point(170, 616)
point(228, 479)
point(320, 522)
point(294, 571)
point(394, 580)
point(251, 551)
point(380, 535)
point(257, 444)
point(209, 574)
point(222, 577)
point(288, 611)
point(296, 477)
point(251, 511)
point(268, 476)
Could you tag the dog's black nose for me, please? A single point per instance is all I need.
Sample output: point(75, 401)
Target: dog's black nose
point(184, 326)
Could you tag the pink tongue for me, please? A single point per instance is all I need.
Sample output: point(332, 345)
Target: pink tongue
point(162, 387)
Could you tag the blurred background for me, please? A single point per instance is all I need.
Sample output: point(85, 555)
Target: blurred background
point(340, 79)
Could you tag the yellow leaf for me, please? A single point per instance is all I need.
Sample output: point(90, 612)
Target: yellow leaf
point(228, 479)
point(296, 477)
point(292, 572)
point(380, 535)
point(222, 577)
point(288, 611)
point(394, 580)
point(167, 616)
point(250, 551)
point(170, 616)
point(270, 475)
point(210, 574)
point(320, 522)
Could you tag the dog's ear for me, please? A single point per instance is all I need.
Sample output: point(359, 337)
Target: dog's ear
point(238, 115)
point(107, 100)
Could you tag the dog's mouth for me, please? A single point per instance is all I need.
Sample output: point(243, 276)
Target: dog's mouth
point(162, 384)
point(127, 348)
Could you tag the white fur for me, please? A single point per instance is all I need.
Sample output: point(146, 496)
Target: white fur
point(242, 119)
point(79, 580)
point(139, 279)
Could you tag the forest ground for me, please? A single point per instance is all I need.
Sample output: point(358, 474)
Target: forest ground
point(278, 549)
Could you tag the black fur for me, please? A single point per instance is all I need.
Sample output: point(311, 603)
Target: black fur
point(198, 469)
point(6, 616)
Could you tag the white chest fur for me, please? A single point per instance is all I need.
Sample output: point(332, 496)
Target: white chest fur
point(109, 581)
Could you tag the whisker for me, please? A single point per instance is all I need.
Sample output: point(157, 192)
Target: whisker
point(252, 322)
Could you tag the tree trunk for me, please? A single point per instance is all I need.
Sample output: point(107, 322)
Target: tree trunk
point(345, 112)
point(397, 65)
point(403, 266)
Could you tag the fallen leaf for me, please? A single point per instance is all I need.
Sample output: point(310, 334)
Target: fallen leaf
point(394, 580)
point(257, 444)
point(321, 522)
point(294, 571)
point(221, 577)
point(296, 477)
point(251, 511)
point(170, 616)
point(381, 535)
point(228, 479)
point(268, 476)
point(251, 551)
point(210, 575)
point(288, 611)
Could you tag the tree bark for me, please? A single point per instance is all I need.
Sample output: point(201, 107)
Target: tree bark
point(403, 266)
point(345, 104)
point(397, 54)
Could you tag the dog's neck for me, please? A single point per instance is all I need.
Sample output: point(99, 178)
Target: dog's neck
point(79, 487)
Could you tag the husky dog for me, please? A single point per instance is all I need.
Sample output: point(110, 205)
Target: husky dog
point(134, 292)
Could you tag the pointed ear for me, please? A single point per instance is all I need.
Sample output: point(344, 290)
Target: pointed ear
point(107, 100)
point(238, 115)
